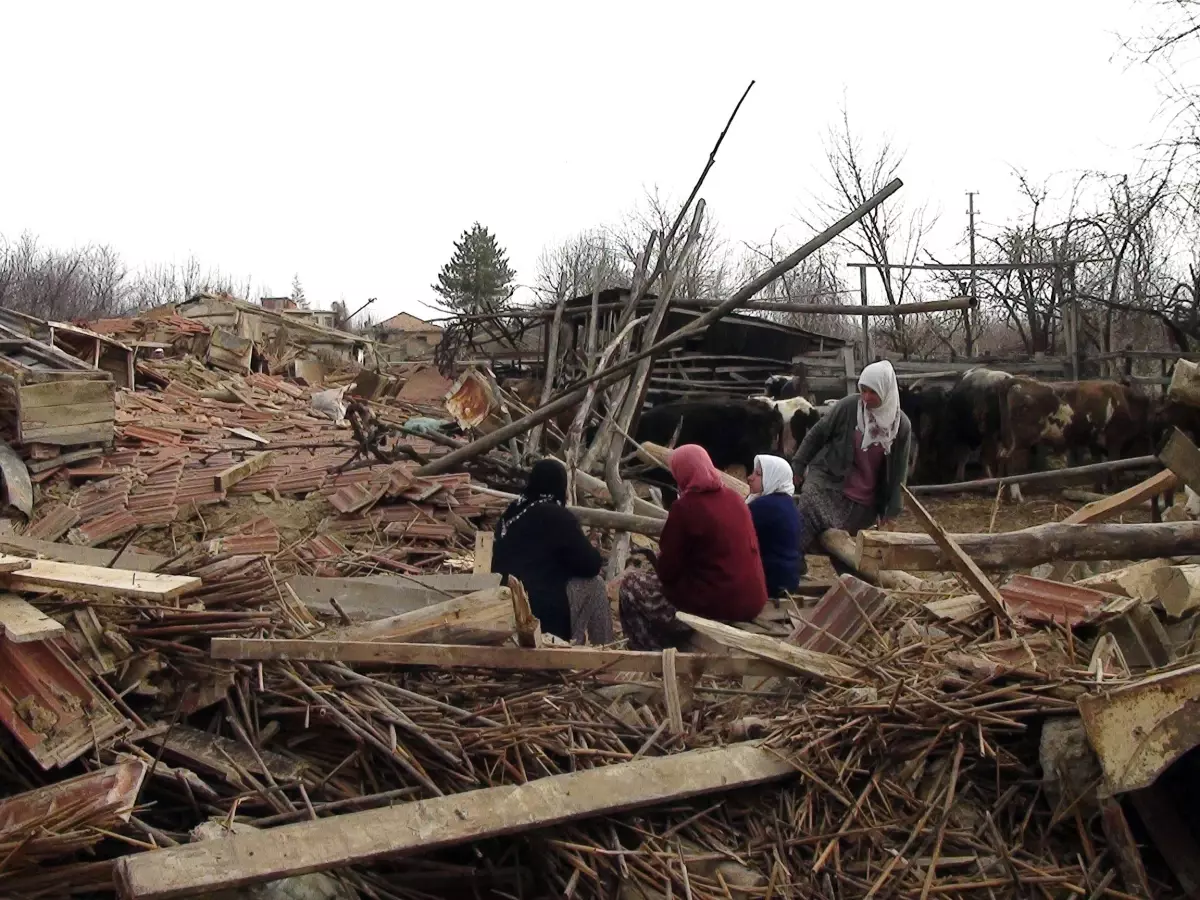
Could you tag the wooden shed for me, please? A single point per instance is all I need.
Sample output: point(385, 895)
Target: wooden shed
point(732, 357)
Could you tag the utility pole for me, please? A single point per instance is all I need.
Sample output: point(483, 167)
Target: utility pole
point(967, 313)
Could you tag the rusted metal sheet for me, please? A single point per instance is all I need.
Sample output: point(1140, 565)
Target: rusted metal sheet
point(1139, 729)
point(470, 400)
point(48, 704)
point(841, 616)
point(1041, 600)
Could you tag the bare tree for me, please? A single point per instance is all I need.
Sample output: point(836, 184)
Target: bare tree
point(94, 281)
point(888, 235)
point(814, 281)
point(574, 267)
point(705, 273)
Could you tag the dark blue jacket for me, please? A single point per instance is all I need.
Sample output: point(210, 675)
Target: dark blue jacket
point(777, 522)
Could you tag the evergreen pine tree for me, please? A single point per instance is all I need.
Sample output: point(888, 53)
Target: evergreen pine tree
point(478, 277)
point(298, 292)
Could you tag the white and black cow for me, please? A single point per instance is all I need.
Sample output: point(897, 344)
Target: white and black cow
point(796, 417)
point(732, 431)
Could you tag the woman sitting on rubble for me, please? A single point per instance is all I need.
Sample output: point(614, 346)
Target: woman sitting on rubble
point(708, 562)
point(776, 523)
point(854, 462)
point(540, 543)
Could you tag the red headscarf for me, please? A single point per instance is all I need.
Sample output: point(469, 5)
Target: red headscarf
point(693, 470)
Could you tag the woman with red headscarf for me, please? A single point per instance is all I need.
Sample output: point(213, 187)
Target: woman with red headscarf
point(708, 562)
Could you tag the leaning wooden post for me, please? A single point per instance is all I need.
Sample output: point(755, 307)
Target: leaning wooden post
point(575, 393)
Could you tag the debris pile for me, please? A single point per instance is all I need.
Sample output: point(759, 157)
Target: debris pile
point(256, 642)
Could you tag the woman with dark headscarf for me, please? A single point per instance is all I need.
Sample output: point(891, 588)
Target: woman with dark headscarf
point(541, 544)
point(708, 562)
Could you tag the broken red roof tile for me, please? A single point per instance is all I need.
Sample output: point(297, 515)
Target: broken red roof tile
point(840, 617)
point(48, 704)
point(54, 520)
point(1040, 600)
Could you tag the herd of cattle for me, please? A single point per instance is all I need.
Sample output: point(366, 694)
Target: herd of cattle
point(1009, 424)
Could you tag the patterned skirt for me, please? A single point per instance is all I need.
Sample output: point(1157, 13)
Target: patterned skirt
point(591, 616)
point(821, 509)
point(647, 617)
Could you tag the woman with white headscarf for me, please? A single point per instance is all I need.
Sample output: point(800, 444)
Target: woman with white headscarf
point(776, 522)
point(854, 462)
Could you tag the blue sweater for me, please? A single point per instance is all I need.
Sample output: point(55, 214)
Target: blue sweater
point(777, 522)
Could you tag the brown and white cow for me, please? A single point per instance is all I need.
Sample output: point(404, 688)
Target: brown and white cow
point(1097, 419)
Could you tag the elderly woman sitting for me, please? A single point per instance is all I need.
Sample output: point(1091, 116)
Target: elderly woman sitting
point(776, 523)
point(854, 462)
point(539, 541)
point(708, 562)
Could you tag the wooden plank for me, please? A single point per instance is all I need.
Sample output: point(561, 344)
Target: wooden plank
point(21, 621)
point(201, 750)
point(480, 614)
point(454, 656)
point(965, 565)
point(821, 666)
point(1100, 510)
point(34, 418)
point(484, 543)
point(62, 459)
point(428, 825)
point(378, 596)
point(67, 393)
point(227, 478)
point(1182, 457)
point(69, 435)
point(45, 574)
point(128, 560)
point(248, 435)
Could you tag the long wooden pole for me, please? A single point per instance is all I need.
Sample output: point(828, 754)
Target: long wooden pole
point(457, 457)
point(1053, 476)
point(428, 825)
point(1031, 546)
point(816, 309)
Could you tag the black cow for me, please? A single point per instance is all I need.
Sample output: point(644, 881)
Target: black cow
point(972, 423)
point(732, 431)
point(925, 404)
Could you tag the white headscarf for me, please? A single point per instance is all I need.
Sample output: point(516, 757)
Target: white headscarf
point(776, 476)
point(879, 425)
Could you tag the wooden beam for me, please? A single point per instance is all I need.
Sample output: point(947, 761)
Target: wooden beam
point(1182, 457)
point(21, 621)
point(456, 656)
point(1107, 507)
point(1031, 546)
point(428, 825)
point(251, 465)
point(128, 559)
point(485, 541)
point(962, 562)
point(821, 666)
point(482, 616)
point(42, 574)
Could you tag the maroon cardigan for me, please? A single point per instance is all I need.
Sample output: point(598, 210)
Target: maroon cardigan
point(708, 560)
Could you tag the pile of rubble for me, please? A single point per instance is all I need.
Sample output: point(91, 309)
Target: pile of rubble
point(254, 640)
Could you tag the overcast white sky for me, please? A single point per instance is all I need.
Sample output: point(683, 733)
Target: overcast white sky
point(353, 142)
